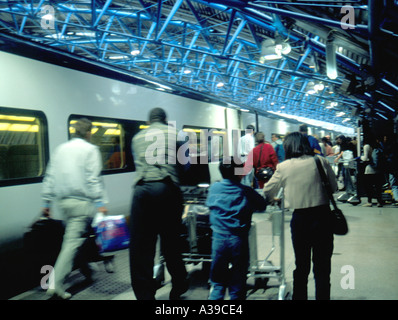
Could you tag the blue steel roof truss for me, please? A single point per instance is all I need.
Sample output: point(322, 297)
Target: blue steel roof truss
point(211, 47)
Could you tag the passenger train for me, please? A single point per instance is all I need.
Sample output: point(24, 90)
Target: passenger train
point(40, 99)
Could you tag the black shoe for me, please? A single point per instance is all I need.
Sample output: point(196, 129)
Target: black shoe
point(177, 291)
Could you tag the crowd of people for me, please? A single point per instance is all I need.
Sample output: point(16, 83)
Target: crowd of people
point(73, 178)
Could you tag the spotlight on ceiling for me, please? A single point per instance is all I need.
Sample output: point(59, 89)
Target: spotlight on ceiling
point(313, 87)
point(268, 51)
point(282, 46)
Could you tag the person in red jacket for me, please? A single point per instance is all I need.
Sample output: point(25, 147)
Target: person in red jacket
point(268, 157)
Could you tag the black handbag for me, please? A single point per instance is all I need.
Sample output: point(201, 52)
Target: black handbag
point(340, 226)
point(265, 173)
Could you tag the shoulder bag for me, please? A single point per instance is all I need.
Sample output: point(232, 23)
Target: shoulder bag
point(265, 173)
point(340, 226)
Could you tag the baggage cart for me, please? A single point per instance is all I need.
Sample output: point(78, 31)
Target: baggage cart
point(262, 270)
point(198, 234)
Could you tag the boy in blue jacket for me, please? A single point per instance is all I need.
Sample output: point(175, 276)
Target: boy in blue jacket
point(231, 207)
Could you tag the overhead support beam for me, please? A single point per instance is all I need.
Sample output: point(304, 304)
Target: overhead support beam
point(169, 17)
point(93, 12)
point(251, 8)
point(228, 46)
point(375, 13)
point(105, 7)
point(158, 16)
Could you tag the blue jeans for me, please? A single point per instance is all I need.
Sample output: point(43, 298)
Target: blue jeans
point(230, 262)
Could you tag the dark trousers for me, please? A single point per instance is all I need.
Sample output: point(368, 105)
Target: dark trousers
point(374, 187)
point(312, 235)
point(156, 210)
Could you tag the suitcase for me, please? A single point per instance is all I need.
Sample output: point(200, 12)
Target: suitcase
point(42, 244)
point(196, 230)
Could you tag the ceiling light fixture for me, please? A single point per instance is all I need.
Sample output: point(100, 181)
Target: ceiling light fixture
point(268, 51)
point(282, 46)
point(331, 65)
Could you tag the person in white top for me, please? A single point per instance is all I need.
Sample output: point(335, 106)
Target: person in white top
point(246, 144)
point(73, 179)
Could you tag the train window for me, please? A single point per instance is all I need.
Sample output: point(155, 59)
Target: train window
point(113, 137)
point(23, 145)
point(205, 142)
point(108, 135)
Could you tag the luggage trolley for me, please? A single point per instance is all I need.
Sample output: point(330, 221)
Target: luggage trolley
point(196, 221)
point(351, 195)
point(195, 233)
point(264, 269)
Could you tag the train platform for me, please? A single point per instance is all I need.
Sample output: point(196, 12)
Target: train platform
point(363, 264)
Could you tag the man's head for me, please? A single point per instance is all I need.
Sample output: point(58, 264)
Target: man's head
point(250, 129)
point(83, 129)
point(303, 128)
point(157, 115)
point(275, 137)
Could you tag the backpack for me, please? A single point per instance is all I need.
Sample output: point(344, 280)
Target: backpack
point(280, 152)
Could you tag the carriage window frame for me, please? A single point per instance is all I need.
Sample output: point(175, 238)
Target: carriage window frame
point(215, 132)
point(128, 129)
point(23, 120)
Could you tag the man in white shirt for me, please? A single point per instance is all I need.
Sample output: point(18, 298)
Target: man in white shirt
point(73, 180)
point(246, 144)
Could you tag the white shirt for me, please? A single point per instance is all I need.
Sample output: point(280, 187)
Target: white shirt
point(74, 171)
point(246, 144)
point(367, 156)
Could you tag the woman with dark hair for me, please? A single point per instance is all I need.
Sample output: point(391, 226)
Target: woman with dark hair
point(373, 177)
point(310, 226)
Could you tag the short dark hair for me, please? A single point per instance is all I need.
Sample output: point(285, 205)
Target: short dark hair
point(341, 136)
point(82, 126)
point(303, 127)
point(250, 127)
point(260, 137)
point(227, 168)
point(296, 145)
point(157, 115)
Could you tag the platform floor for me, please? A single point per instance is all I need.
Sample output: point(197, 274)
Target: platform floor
point(364, 264)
